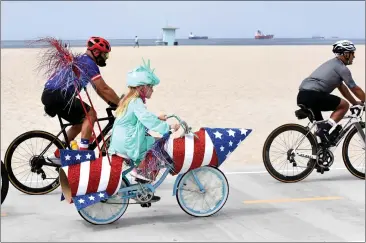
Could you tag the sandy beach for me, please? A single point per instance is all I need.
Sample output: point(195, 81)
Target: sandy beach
point(215, 86)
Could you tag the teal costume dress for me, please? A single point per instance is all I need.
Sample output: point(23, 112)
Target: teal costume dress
point(129, 138)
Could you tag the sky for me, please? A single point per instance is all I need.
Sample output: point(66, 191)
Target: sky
point(22, 20)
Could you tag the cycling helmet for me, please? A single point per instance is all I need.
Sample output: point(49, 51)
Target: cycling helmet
point(343, 46)
point(98, 43)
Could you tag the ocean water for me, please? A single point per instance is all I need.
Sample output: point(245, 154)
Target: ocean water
point(188, 42)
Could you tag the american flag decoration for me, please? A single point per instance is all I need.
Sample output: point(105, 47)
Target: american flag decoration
point(86, 180)
point(212, 146)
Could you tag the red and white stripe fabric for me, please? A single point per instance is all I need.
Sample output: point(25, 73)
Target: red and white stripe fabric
point(95, 176)
point(189, 152)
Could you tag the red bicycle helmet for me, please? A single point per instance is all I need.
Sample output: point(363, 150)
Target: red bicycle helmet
point(98, 43)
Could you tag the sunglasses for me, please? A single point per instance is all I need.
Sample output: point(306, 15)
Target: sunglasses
point(105, 55)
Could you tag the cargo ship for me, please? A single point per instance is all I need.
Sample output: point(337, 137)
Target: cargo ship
point(260, 35)
point(195, 37)
point(318, 37)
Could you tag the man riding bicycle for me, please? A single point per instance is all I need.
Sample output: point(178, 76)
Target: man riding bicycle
point(314, 91)
point(68, 106)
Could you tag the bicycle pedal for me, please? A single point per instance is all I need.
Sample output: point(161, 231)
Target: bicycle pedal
point(145, 205)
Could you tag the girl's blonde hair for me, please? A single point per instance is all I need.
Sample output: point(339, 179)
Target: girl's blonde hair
point(123, 104)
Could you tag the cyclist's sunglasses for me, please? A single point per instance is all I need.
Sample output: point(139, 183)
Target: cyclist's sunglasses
point(105, 55)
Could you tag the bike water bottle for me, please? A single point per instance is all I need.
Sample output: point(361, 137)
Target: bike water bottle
point(74, 145)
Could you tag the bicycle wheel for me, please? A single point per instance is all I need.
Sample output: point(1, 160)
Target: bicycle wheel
point(205, 204)
point(32, 162)
point(108, 211)
point(4, 182)
point(360, 155)
point(305, 138)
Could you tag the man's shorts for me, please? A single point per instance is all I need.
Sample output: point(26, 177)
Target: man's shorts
point(318, 102)
point(66, 106)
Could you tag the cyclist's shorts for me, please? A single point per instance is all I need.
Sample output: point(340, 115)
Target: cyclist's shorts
point(318, 102)
point(66, 106)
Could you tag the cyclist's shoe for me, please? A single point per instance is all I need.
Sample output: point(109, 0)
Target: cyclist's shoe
point(319, 169)
point(323, 132)
point(54, 159)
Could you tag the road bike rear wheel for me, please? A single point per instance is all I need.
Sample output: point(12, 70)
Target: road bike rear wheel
point(308, 165)
point(33, 162)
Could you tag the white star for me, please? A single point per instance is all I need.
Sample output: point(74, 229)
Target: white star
point(88, 156)
point(91, 198)
point(222, 148)
point(67, 157)
point(243, 131)
point(101, 195)
point(78, 156)
point(231, 133)
point(81, 200)
point(230, 143)
point(218, 134)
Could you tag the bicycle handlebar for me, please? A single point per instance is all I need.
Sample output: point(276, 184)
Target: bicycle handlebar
point(183, 124)
point(357, 110)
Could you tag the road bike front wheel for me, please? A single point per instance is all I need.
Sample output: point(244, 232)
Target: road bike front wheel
point(357, 168)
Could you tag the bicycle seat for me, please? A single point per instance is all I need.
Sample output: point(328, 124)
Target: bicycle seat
point(304, 112)
point(49, 111)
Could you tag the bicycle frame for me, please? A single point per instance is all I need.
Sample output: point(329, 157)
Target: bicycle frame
point(353, 121)
point(132, 189)
point(110, 118)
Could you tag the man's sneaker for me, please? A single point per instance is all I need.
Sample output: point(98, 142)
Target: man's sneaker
point(323, 131)
point(319, 169)
point(54, 159)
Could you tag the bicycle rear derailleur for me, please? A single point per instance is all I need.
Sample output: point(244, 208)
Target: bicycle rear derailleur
point(36, 166)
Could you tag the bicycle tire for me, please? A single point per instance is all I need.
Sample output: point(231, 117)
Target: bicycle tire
point(345, 155)
point(99, 221)
point(267, 144)
point(8, 162)
point(182, 200)
point(4, 182)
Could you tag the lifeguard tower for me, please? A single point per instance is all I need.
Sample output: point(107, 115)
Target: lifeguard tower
point(169, 35)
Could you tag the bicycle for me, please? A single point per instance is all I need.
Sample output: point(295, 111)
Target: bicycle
point(38, 162)
point(4, 182)
point(321, 155)
point(190, 189)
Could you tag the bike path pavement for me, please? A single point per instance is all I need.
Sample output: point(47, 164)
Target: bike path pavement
point(329, 207)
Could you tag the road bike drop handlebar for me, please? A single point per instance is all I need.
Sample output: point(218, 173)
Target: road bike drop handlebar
point(357, 111)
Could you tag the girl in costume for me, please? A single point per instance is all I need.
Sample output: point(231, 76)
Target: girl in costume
point(129, 139)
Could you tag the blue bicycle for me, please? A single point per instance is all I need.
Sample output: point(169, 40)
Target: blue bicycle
point(200, 192)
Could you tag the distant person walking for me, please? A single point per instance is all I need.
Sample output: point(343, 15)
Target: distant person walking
point(136, 42)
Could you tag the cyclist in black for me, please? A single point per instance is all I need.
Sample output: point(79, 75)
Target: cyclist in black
point(315, 91)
